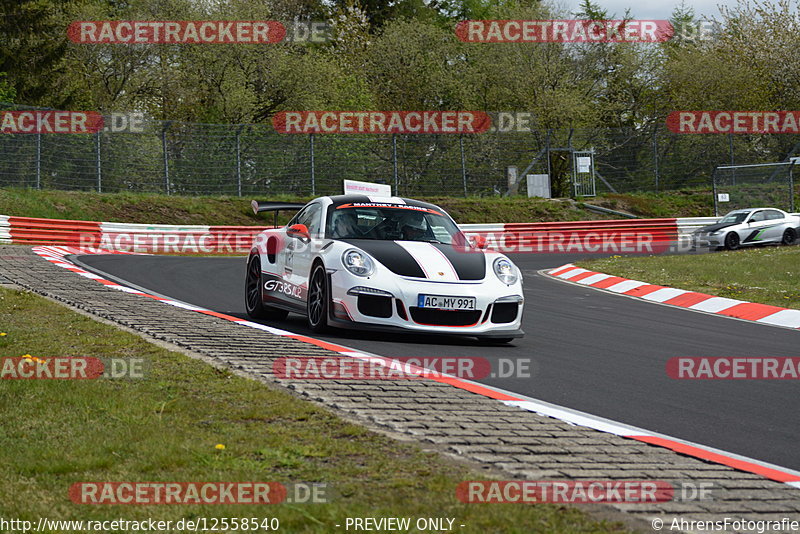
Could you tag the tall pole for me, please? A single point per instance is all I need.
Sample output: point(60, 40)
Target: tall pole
point(166, 157)
point(655, 155)
point(313, 177)
point(97, 162)
point(39, 160)
point(394, 164)
point(463, 164)
point(239, 161)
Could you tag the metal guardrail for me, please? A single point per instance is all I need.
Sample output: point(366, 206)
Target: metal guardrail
point(615, 236)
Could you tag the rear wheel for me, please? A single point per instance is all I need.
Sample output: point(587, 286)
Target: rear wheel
point(253, 298)
point(732, 241)
point(789, 236)
point(317, 302)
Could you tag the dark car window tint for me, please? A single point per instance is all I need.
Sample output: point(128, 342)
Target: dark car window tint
point(758, 216)
point(310, 216)
point(774, 215)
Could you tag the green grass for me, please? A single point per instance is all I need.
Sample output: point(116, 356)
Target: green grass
point(162, 209)
point(688, 203)
point(769, 275)
point(165, 428)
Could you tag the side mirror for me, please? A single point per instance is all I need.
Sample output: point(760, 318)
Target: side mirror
point(479, 241)
point(299, 231)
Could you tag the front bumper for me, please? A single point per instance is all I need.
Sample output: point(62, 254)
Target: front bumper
point(391, 306)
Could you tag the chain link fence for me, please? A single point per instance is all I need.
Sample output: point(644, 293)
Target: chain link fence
point(745, 186)
point(183, 158)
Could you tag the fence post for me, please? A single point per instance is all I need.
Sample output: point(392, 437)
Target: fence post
point(313, 177)
point(97, 162)
point(166, 156)
point(730, 149)
point(463, 164)
point(714, 190)
point(791, 188)
point(547, 156)
point(655, 155)
point(39, 160)
point(394, 163)
point(239, 161)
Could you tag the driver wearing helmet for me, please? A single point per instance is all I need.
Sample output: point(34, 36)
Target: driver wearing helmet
point(413, 226)
point(345, 224)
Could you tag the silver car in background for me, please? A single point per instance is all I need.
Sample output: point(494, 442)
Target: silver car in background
point(751, 226)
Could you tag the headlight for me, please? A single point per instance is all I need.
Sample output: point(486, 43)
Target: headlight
point(505, 271)
point(357, 262)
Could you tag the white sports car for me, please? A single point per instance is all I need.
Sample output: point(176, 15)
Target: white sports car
point(388, 264)
point(751, 226)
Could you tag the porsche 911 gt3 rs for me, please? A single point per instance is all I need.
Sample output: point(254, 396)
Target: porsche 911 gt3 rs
point(751, 226)
point(381, 263)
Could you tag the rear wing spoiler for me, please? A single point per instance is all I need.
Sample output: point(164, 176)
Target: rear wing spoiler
point(275, 207)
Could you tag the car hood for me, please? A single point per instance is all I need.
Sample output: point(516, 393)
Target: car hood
point(714, 227)
point(418, 259)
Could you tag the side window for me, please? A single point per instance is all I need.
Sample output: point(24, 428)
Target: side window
point(312, 218)
point(758, 216)
point(774, 215)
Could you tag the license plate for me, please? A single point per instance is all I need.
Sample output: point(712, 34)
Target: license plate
point(443, 302)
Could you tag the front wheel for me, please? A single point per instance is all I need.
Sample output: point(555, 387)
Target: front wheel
point(253, 299)
point(732, 241)
point(317, 302)
point(789, 236)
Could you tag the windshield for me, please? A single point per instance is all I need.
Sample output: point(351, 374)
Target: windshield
point(734, 218)
point(393, 222)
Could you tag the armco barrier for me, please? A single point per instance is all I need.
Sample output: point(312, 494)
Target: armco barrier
point(612, 236)
point(5, 226)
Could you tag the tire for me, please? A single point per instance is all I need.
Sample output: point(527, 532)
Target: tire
point(317, 302)
point(789, 236)
point(253, 298)
point(732, 241)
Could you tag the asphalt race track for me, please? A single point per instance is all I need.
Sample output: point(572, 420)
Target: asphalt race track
point(592, 351)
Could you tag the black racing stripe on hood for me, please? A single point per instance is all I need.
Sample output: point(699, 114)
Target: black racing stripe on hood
point(469, 264)
point(390, 255)
point(714, 227)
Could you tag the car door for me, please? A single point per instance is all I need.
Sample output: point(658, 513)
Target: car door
point(300, 252)
point(756, 227)
point(777, 224)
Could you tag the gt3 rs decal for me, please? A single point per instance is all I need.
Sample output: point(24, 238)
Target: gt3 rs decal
point(275, 287)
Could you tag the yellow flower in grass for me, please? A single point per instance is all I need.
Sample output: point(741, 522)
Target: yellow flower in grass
point(3, 334)
point(219, 447)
